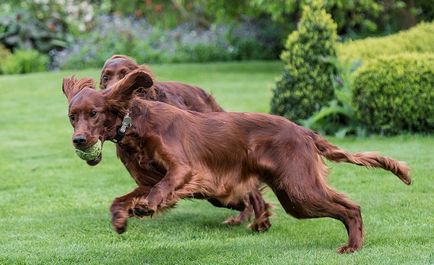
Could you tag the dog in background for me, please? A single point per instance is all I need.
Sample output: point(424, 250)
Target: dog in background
point(177, 94)
point(220, 155)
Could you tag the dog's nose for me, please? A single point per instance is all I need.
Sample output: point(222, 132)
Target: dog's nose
point(79, 139)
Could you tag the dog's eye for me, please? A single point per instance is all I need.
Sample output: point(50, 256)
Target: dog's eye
point(105, 78)
point(71, 118)
point(122, 74)
point(92, 114)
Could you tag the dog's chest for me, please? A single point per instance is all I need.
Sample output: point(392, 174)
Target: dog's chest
point(140, 163)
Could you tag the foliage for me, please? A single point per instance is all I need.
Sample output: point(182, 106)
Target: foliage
point(395, 94)
point(4, 53)
point(24, 61)
point(163, 14)
point(185, 43)
point(21, 30)
point(306, 83)
point(417, 39)
point(353, 18)
point(338, 117)
point(233, 30)
point(70, 15)
point(255, 39)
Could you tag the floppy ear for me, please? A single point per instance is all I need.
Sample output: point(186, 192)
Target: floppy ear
point(71, 86)
point(124, 89)
point(150, 93)
point(68, 87)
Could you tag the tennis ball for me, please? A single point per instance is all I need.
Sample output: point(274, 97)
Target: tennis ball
point(90, 153)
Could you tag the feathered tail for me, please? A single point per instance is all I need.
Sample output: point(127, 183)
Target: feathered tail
point(367, 159)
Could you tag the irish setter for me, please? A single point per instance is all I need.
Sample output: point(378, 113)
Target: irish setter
point(221, 155)
point(177, 94)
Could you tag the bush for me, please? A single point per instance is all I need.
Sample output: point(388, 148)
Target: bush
point(256, 39)
point(306, 83)
point(22, 30)
point(338, 117)
point(417, 39)
point(24, 61)
point(4, 53)
point(395, 94)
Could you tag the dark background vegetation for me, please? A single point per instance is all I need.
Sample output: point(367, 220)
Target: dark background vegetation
point(77, 34)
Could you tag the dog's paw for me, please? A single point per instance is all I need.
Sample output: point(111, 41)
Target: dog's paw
point(347, 249)
point(233, 220)
point(119, 217)
point(141, 211)
point(260, 225)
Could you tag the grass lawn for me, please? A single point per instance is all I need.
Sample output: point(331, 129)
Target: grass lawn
point(54, 208)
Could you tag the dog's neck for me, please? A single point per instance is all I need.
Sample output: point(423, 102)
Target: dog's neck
point(112, 124)
point(120, 132)
point(121, 122)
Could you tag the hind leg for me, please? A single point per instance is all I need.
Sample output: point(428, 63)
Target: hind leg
point(261, 222)
point(326, 203)
point(252, 202)
point(242, 206)
point(245, 208)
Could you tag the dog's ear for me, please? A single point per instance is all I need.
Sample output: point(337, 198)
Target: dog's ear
point(136, 81)
point(150, 93)
point(71, 86)
point(68, 87)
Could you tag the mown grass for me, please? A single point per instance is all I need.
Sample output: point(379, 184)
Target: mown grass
point(54, 208)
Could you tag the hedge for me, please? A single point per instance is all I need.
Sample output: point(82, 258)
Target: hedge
point(395, 94)
point(419, 39)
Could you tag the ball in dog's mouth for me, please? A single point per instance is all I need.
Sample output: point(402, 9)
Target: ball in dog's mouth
point(95, 161)
point(92, 155)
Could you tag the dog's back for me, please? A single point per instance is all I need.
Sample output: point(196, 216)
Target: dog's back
point(186, 97)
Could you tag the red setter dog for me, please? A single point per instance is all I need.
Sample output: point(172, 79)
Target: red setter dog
point(177, 94)
point(221, 155)
point(185, 97)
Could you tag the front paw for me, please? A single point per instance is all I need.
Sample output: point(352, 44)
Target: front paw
point(141, 210)
point(262, 223)
point(119, 218)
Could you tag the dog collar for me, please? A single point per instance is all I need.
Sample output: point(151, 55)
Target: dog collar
point(120, 133)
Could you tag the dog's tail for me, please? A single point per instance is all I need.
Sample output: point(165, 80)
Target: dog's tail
point(367, 159)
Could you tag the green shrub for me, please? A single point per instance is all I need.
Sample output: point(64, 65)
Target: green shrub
point(4, 53)
point(24, 29)
point(338, 117)
point(306, 83)
point(396, 94)
point(24, 61)
point(417, 39)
